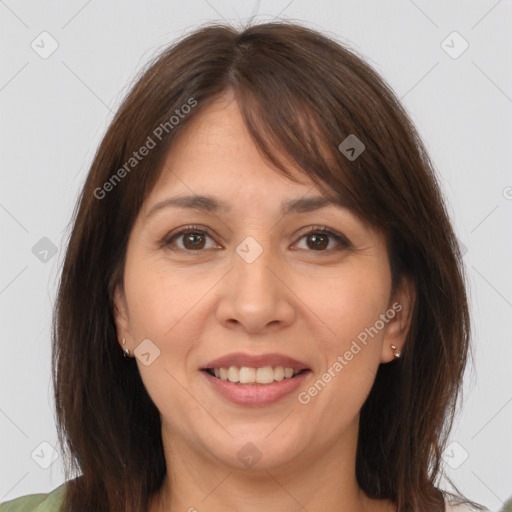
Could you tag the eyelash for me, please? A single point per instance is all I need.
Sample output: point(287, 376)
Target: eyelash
point(323, 230)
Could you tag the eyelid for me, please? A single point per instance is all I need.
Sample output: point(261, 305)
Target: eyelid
point(343, 241)
point(169, 237)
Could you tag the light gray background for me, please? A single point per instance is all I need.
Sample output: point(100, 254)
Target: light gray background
point(54, 112)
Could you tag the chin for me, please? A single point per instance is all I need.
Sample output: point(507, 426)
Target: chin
point(256, 452)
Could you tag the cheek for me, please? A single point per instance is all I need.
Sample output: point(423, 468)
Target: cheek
point(159, 303)
point(351, 305)
point(159, 298)
point(348, 302)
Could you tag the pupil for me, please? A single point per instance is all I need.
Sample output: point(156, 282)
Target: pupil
point(320, 245)
point(192, 238)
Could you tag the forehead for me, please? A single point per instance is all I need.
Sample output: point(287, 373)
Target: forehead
point(215, 154)
point(213, 166)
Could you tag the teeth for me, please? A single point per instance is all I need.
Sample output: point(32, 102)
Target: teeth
point(279, 373)
point(233, 374)
point(247, 375)
point(265, 375)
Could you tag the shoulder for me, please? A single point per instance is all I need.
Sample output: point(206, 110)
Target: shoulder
point(50, 502)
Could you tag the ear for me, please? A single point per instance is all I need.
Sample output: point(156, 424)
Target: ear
point(121, 318)
point(399, 313)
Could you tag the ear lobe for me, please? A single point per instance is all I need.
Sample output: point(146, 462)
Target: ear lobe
point(400, 312)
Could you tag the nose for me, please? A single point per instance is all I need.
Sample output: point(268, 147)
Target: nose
point(255, 296)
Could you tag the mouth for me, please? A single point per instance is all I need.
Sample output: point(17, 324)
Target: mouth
point(246, 375)
point(255, 386)
point(244, 368)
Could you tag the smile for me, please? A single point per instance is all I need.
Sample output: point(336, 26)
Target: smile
point(248, 375)
point(252, 393)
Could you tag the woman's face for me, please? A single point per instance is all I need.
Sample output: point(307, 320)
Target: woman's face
point(259, 288)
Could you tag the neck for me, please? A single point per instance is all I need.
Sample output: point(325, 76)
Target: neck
point(319, 481)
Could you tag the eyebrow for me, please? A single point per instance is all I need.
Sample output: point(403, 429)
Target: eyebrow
point(211, 204)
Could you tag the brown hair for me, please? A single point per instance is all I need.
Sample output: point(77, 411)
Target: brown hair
point(301, 94)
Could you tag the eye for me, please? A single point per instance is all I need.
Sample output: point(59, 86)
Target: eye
point(192, 237)
point(317, 239)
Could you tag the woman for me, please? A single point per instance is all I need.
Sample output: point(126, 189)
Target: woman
point(262, 236)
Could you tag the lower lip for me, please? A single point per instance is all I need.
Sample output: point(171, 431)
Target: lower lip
point(256, 394)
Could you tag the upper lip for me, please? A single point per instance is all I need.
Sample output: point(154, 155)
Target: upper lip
point(240, 359)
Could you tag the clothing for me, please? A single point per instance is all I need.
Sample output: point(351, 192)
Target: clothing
point(52, 502)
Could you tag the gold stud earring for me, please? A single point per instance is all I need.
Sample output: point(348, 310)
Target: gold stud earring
point(126, 351)
point(396, 354)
